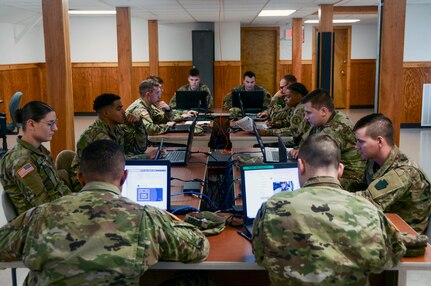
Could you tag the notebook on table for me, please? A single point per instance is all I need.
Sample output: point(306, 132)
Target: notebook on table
point(180, 157)
point(148, 183)
point(271, 154)
point(260, 182)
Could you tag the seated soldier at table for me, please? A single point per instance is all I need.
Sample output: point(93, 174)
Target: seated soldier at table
point(321, 234)
point(96, 236)
point(248, 84)
point(112, 124)
point(392, 181)
point(193, 85)
point(320, 112)
point(156, 114)
point(277, 101)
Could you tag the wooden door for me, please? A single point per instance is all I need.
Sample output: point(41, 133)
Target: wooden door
point(341, 64)
point(260, 54)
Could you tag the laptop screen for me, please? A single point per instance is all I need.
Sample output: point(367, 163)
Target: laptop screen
point(189, 99)
point(252, 101)
point(148, 183)
point(260, 182)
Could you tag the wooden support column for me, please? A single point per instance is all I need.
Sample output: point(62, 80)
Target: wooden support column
point(153, 41)
point(390, 100)
point(297, 48)
point(325, 49)
point(124, 47)
point(59, 72)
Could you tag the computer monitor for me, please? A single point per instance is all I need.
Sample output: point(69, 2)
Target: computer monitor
point(252, 101)
point(192, 99)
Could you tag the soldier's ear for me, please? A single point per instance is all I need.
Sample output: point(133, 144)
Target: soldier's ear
point(301, 167)
point(80, 178)
point(340, 170)
point(123, 177)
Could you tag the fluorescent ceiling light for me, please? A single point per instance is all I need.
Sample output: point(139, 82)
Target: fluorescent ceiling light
point(335, 21)
point(273, 13)
point(92, 12)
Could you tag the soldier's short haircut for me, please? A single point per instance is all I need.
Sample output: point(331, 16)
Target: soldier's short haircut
point(299, 88)
point(250, 74)
point(319, 98)
point(102, 159)
point(290, 78)
point(193, 72)
point(104, 99)
point(320, 151)
point(377, 125)
point(156, 79)
point(147, 85)
point(34, 110)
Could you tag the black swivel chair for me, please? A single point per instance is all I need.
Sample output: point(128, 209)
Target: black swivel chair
point(13, 127)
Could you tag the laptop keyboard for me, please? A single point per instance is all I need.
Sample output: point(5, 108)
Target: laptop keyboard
point(272, 155)
point(176, 156)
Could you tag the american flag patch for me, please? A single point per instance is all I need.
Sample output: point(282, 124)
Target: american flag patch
point(25, 170)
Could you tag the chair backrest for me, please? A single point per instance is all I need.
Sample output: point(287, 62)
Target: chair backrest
point(8, 207)
point(428, 231)
point(14, 105)
point(64, 160)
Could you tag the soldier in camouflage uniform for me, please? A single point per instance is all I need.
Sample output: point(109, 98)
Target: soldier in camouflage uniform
point(320, 112)
point(27, 171)
point(194, 85)
point(395, 183)
point(249, 84)
point(321, 234)
point(112, 124)
point(156, 115)
point(96, 236)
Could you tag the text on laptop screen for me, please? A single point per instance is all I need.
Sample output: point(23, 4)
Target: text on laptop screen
point(260, 182)
point(148, 183)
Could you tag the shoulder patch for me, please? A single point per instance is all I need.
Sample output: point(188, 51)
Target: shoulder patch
point(25, 170)
point(381, 184)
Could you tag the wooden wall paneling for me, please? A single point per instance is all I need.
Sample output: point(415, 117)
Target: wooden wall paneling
point(227, 75)
point(362, 82)
point(306, 74)
point(174, 75)
point(297, 48)
point(124, 48)
point(153, 46)
point(141, 70)
point(414, 76)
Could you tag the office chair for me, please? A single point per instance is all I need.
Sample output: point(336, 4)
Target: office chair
point(13, 106)
point(63, 164)
point(3, 133)
point(428, 231)
point(10, 213)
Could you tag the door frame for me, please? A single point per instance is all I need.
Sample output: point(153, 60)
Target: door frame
point(348, 64)
point(277, 49)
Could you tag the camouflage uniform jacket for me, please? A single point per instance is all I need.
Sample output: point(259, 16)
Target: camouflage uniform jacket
point(97, 237)
point(340, 128)
point(280, 116)
point(154, 119)
point(323, 235)
point(227, 100)
point(296, 127)
point(133, 139)
point(202, 87)
point(400, 186)
point(29, 177)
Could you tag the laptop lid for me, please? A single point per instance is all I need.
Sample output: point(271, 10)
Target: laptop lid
point(148, 183)
point(282, 150)
point(260, 182)
point(159, 150)
point(192, 99)
point(259, 140)
point(252, 101)
point(184, 157)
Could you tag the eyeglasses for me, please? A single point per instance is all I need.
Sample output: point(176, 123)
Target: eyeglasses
point(281, 87)
point(51, 123)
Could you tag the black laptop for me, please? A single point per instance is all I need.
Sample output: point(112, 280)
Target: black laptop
point(180, 157)
point(260, 182)
point(271, 154)
point(192, 100)
point(182, 128)
point(251, 101)
point(148, 183)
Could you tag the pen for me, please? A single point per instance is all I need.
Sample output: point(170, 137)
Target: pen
point(244, 235)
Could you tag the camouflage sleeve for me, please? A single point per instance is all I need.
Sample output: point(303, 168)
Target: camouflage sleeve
point(258, 243)
point(168, 239)
point(227, 101)
point(173, 101)
point(135, 138)
point(395, 248)
point(177, 115)
point(267, 99)
point(210, 98)
point(13, 236)
point(388, 189)
point(150, 126)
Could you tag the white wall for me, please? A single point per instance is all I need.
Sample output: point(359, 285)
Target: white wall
point(29, 48)
point(364, 42)
point(227, 45)
point(417, 39)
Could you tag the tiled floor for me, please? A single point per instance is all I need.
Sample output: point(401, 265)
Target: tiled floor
point(416, 143)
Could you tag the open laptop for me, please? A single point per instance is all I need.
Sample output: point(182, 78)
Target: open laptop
point(192, 99)
point(260, 182)
point(180, 157)
point(251, 101)
point(271, 154)
point(181, 128)
point(148, 183)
